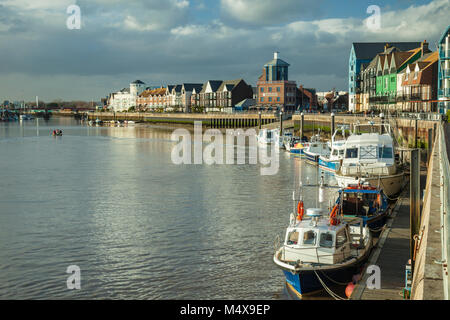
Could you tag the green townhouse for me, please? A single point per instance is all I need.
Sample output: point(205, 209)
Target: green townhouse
point(389, 64)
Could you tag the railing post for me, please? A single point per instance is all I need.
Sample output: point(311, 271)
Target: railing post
point(414, 195)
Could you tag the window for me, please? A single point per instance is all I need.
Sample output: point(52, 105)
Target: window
point(326, 240)
point(270, 89)
point(270, 99)
point(368, 152)
point(292, 238)
point(351, 153)
point(341, 239)
point(278, 99)
point(262, 99)
point(385, 152)
point(278, 89)
point(262, 89)
point(309, 238)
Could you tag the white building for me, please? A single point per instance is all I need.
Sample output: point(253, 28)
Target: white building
point(126, 98)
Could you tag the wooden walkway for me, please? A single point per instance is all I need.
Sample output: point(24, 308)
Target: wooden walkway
point(391, 254)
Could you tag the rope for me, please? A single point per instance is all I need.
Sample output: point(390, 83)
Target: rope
point(331, 293)
point(336, 282)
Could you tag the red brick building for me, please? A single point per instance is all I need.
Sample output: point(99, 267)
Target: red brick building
point(275, 91)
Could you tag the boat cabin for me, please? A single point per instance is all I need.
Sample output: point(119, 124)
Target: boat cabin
point(371, 151)
point(314, 240)
point(361, 202)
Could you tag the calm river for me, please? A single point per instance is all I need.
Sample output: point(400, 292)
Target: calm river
point(110, 200)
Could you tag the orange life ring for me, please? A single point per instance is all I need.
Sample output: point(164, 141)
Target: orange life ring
point(300, 210)
point(333, 219)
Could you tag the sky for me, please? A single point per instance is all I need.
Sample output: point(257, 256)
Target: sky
point(173, 41)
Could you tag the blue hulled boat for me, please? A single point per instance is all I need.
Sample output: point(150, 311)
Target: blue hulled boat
point(365, 202)
point(320, 251)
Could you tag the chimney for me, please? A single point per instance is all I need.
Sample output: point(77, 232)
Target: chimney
point(275, 55)
point(424, 47)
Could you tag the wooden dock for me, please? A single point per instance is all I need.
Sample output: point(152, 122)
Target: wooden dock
point(391, 254)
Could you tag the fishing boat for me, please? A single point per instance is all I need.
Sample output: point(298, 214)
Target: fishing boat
point(370, 157)
point(286, 140)
point(315, 149)
point(332, 161)
point(320, 251)
point(298, 147)
point(365, 202)
point(268, 136)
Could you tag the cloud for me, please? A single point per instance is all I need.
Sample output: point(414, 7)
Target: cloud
point(266, 12)
point(158, 41)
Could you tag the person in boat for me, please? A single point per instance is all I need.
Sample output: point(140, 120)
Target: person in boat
point(54, 132)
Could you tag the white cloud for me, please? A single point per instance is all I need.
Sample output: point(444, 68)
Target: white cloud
point(263, 12)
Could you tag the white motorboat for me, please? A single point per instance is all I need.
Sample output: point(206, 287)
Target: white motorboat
point(333, 160)
point(315, 149)
point(320, 250)
point(370, 157)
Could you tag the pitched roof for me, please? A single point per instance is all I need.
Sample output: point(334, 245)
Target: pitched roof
point(229, 84)
point(215, 84)
point(192, 86)
point(368, 50)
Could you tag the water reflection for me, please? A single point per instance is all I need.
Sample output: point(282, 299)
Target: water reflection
point(110, 200)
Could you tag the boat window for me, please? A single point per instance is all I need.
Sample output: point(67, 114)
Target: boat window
point(269, 134)
point(351, 153)
point(326, 240)
point(309, 238)
point(341, 152)
point(335, 152)
point(386, 152)
point(341, 239)
point(293, 238)
point(368, 152)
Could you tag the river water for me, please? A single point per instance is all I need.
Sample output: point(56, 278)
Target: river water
point(110, 201)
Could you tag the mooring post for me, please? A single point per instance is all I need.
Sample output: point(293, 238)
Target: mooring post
point(259, 120)
point(302, 122)
point(430, 144)
point(414, 200)
point(415, 134)
point(332, 128)
point(281, 123)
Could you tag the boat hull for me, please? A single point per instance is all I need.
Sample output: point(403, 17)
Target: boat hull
point(311, 158)
point(329, 165)
point(307, 282)
point(391, 184)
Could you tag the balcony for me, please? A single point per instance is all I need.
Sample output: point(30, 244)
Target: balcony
point(444, 54)
point(446, 73)
point(444, 92)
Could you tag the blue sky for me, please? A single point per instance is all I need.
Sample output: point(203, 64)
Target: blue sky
point(173, 41)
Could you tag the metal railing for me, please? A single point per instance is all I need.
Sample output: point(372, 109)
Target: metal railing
point(445, 207)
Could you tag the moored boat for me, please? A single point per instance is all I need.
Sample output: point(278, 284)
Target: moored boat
point(332, 161)
point(315, 149)
point(365, 202)
point(320, 251)
point(370, 158)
